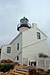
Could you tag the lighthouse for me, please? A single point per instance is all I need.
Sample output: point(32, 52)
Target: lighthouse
point(23, 25)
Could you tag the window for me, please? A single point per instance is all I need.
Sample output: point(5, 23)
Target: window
point(8, 49)
point(38, 35)
point(17, 46)
point(17, 57)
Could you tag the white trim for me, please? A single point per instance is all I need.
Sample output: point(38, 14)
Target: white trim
point(15, 38)
point(33, 43)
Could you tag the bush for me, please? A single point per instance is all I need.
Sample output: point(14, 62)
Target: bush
point(39, 69)
point(6, 67)
point(6, 61)
point(3, 61)
point(43, 73)
point(49, 70)
point(9, 61)
point(43, 55)
point(32, 72)
point(36, 72)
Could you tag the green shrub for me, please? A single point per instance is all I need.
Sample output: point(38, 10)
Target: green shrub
point(43, 73)
point(6, 67)
point(35, 72)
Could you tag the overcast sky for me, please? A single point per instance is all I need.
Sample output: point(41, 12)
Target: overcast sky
point(11, 11)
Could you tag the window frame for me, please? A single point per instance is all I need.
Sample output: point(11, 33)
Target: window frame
point(9, 50)
point(38, 35)
point(17, 57)
point(17, 46)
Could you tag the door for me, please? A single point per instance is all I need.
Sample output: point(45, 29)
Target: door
point(25, 61)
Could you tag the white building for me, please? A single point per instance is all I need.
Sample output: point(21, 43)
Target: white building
point(26, 46)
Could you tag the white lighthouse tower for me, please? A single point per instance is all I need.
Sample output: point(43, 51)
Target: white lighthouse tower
point(24, 25)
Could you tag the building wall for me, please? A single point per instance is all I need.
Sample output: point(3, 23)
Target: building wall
point(4, 54)
point(31, 46)
point(33, 50)
point(14, 52)
point(30, 36)
point(14, 48)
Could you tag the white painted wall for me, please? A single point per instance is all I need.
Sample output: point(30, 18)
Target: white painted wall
point(4, 54)
point(14, 48)
point(14, 51)
point(30, 36)
point(33, 50)
point(31, 46)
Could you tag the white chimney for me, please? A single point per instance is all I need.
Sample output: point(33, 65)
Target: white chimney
point(34, 25)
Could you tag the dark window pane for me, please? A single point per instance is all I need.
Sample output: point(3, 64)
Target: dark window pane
point(17, 57)
point(17, 46)
point(38, 35)
point(8, 49)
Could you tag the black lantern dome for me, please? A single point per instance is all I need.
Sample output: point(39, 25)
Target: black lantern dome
point(23, 23)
